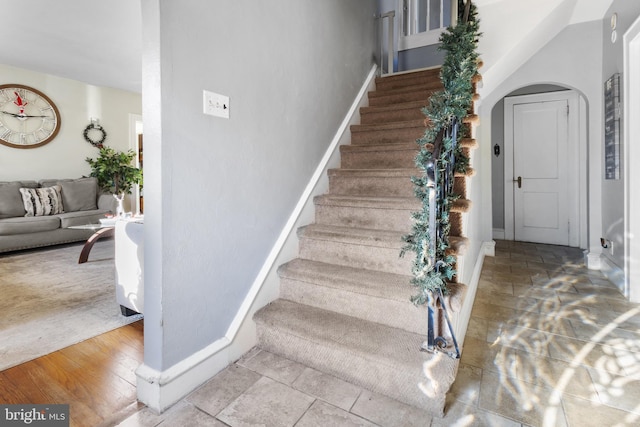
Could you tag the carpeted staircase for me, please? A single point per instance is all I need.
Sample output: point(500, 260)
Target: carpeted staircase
point(344, 305)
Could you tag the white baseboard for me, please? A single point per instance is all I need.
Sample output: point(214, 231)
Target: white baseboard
point(159, 390)
point(614, 273)
point(487, 249)
point(593, 260)
point(498, 234)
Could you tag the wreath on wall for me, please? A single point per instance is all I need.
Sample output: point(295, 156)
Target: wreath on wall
point(95, 134)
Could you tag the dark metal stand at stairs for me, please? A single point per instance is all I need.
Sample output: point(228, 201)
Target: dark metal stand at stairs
point(437, 309)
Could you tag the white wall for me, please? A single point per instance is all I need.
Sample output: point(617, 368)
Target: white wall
point(613, 225)
point(631, 110)
point(218, 192)
point(525, 27)
point(567, 60)
point(64, 156)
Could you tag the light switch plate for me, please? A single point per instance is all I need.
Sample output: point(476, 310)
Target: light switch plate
point(215, 104)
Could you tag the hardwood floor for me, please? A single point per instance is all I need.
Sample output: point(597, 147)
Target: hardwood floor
point(95, 377)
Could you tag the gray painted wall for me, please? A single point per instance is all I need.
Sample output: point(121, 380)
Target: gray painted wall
point(218, 192)
point(613, 190)
point(568, 60)
point(421, 57)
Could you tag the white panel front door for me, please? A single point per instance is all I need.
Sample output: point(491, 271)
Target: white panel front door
point(540, 172)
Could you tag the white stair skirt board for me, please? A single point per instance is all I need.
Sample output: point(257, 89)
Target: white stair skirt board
point(462, 317)
point(159, 390)
point(614, 273)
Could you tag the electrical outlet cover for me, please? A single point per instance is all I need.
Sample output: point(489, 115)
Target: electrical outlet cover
point(215, 104)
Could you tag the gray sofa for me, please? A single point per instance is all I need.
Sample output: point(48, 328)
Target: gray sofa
point(79, 200)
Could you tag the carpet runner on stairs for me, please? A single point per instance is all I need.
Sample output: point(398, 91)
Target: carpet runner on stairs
point(344, 305)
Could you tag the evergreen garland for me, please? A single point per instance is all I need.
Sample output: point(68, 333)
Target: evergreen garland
point(446, 109)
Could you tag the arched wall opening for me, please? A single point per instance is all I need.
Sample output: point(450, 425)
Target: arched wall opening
point(498, 179)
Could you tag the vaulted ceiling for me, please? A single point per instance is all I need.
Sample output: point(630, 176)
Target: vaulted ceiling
point(514, 30)
point(583, 10)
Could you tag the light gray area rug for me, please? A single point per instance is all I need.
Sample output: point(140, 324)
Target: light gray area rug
point(48, 301)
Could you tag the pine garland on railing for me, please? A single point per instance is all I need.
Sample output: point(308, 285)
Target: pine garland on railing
point(446, 108)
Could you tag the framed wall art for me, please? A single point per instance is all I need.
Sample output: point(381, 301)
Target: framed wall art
point(612, 115)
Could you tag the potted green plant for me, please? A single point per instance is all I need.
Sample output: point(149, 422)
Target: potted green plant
point(116, 173)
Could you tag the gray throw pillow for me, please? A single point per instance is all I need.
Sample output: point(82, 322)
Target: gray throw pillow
point(79, 194)
point(11, 200)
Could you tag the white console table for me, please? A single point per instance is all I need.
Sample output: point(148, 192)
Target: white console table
point(129, 248)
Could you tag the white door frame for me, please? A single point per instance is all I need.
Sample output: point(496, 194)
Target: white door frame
point(135, 128)
point(576, 198)
point(631, 153)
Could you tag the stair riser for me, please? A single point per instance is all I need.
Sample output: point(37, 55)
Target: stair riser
point(384, 159)
point(349, 185)
point(398, 98)
point(400, 81)
point(354, 368)
point(398, 314)
point(423, 87)
point(456, 224)
point(405, 83)
point(359, 217)
point(382, 136)
point(357, 256)
point(391, 116)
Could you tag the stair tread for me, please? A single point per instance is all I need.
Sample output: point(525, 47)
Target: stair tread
point(470, 172)
point(386, 344)
point(388, 146)
point(352, 235)
point(388, 126)
point(378, 284)
point(369, 236)
point(409, 105)
point(433, 72)
point(428, 87)
point(371, 283)
point(408, 203)
point(390, 172)
point(380, 358)
point(369, 201)
point(431, 81)
point(469, 143)
point(458, 244)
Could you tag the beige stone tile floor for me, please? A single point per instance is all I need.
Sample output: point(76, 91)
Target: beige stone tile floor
point(549, 344)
